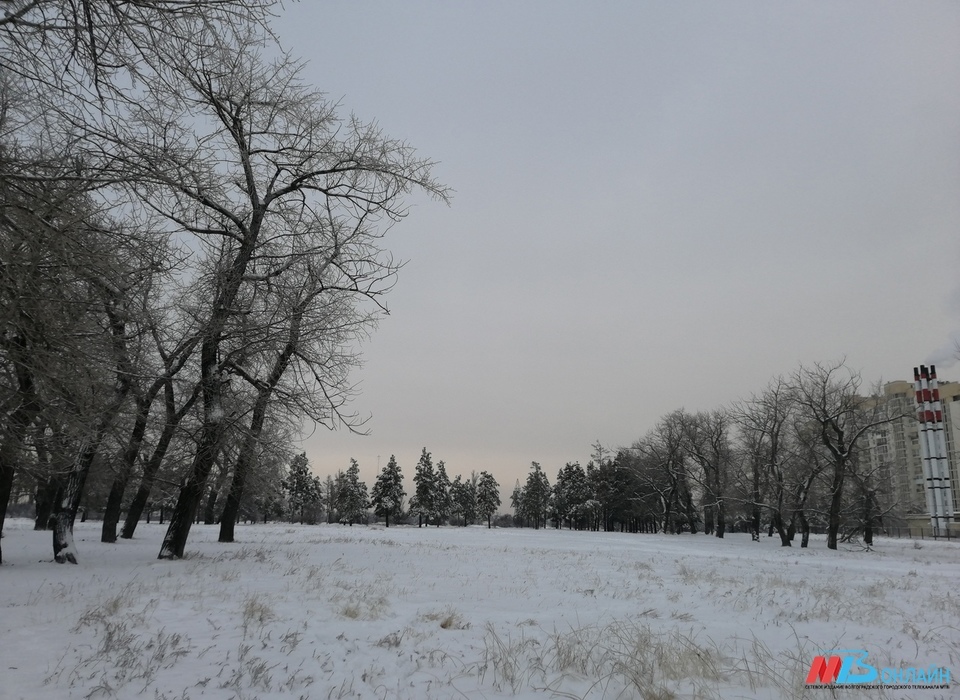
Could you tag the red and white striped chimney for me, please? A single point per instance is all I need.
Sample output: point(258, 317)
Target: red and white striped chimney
point(933, 449)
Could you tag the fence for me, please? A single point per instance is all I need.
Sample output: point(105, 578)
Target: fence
point(921, 533)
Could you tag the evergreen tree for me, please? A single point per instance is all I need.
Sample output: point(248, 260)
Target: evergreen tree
point(303, 489)
point(388, 493)
point(518, 503)
point(422, 502)
point(330, 491)
point(488, 497)
point(442, 503)
point(355, 500)
point(463, 498)
point(536, 496)
point(571, 492)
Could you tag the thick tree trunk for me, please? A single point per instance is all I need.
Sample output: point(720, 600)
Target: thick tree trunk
point(185, 510)
point(210, 510)
point(231, 510)
point(111, 514)
point(49, 491)
point(17, 423)
point(173, 418)
point(7, 471)
point(867, 517)
point(836, 502)
point(755, 513)
point(691, 513)
point(208, 446)
point(139, 502)
point(265, 390)
point(804, 530)
point(66, 510)
point(211, 385)
point(777, 522)
point(708, 520)
point(721, 518)
point(67, 507)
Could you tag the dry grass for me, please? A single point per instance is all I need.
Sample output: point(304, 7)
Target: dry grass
point(449, 619)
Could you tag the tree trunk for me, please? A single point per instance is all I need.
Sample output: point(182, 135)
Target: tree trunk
point(111, 514)
point(836, 502)
point(208, 446)
point(67, 507)
point(755, 514)
point(211, 385)
point(721, 518)
point(210, 510)
point(185, 510)
point(804, 530)
point(867, 517)
point(231, 510)
point(11, 441)
point(49, 491)
point(66, 510)
point(139, 502)
point(173, 418)
point(777, 522)
point(708, 519)
point(265, 390)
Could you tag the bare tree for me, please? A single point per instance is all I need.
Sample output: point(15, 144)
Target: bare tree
point(763, 422)
point(828, 399)
point(67, 68)
point(239, 155)
point(664, 471)
point(707, 442)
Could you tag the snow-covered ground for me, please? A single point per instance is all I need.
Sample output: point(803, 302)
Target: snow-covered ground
point(366, 612)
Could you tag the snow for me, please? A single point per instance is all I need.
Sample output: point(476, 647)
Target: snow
point(333, 611)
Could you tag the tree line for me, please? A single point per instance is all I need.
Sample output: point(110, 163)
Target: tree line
point(298, 494)
point(191, 247)
point(789, 459)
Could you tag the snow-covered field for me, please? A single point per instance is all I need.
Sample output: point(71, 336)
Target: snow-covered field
point(365, 612)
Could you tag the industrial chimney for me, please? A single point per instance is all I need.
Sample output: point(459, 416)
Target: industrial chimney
point(933, 449)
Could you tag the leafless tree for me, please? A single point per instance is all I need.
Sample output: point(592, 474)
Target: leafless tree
point(763, 422)
point(663, 470)
point(238, 154)
point(706, 440)
point(828, 400)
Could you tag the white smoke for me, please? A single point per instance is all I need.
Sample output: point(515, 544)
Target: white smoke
point(948, 354)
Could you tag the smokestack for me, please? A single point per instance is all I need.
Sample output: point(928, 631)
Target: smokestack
point(933, 449)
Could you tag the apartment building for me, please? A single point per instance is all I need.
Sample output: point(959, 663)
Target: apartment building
point(893, 452)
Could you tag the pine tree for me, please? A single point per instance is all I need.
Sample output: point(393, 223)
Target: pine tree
point(388, 493)
point(519, 504)
point(536, 495)
point(422, 502)
point(354, 494)
point(488, 497)
point(571, 492)
point(330, 491)
point(442, 504)
point(463, 498)
point(303, 488)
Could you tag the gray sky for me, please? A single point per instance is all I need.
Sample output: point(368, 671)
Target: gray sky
point(658, 205)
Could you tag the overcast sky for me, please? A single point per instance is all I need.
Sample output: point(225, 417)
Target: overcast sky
point(657, 205)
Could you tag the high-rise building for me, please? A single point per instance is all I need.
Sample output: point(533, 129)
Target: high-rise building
point(893, 454)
